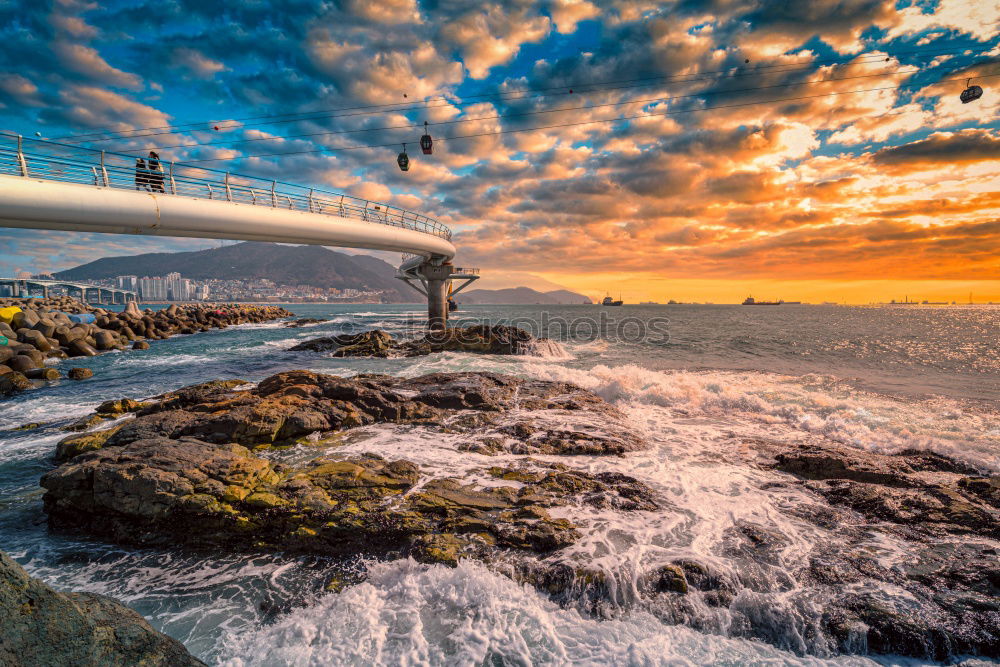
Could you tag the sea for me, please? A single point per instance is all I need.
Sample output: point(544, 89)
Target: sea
point(697, 381)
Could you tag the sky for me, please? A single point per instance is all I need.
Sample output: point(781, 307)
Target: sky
point(681, 149)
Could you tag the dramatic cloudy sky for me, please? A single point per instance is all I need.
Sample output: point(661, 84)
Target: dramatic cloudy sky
point(716, 176)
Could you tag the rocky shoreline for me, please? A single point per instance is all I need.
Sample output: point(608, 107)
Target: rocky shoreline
point(228, 465)
point(34, 330)
point(39, 626)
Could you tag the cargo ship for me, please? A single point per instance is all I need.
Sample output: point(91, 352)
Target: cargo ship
point(750, 301)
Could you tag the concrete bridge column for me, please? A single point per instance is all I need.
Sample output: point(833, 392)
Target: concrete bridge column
point(436, 281)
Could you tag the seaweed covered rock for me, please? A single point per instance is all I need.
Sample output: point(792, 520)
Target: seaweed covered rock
point(182, 470)
point(39, 626)
point(13, 383)
point(160, 491)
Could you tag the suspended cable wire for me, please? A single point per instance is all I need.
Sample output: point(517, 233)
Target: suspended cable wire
point(579, 123)
point(534, 113)
point(569, 89)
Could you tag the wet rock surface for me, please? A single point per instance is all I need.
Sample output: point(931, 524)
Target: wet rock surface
point(947, 515)
point(39, 626)
point(62, 327)
point(479, 339)
point(182, 471)
point(303, 321)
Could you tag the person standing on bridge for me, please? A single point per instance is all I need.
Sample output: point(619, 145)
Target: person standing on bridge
point(155, 172)
point(141, 175)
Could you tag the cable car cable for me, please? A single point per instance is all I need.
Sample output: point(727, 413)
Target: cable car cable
point(533, 113)
point(589, 122)
point(593, 87)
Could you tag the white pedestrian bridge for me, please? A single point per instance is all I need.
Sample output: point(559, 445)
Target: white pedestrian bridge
point(51, 185)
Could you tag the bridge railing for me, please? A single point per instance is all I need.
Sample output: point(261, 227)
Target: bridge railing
point(50, 160)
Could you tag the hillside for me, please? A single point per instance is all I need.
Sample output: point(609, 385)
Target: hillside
point(285, 265)
point(520, 296)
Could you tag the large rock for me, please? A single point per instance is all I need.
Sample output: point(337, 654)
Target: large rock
point(294, 404)
point(162, 491)
point(181, 471)
point(921, 490)
point(366, 344)
point(39, 626)
point(13, 383)
point(22, 363)
point(479, 339)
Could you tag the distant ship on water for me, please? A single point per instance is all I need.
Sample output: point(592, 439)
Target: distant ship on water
point(750, 301)
point(608, 301)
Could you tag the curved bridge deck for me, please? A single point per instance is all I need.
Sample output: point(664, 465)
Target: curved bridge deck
point(47, 191)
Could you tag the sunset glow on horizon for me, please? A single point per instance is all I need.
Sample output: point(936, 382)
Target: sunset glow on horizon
point(696, 151)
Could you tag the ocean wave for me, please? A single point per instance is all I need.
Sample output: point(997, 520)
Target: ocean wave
point(810, 404)
point(407, 613)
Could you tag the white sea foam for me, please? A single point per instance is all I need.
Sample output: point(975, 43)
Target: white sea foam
point(411, 614)
point(810, 404)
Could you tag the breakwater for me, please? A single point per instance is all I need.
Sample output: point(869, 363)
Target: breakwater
point(33, 331)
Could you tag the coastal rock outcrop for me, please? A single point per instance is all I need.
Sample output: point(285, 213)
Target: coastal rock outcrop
point(480, 339)
point(933, 505)
point(916, 490)
point(183, 471)
point(39, 626)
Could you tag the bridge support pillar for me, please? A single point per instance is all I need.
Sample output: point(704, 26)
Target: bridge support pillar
point(436, 282)
point(436, 279)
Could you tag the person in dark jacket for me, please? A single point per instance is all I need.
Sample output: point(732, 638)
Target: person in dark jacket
point(141, 175)
point(155, 172)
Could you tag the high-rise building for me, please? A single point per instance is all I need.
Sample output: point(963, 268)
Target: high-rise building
point(127, 282)
point(153, 289)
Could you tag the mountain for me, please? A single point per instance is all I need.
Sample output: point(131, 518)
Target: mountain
point(315, 266)
point(520, 296)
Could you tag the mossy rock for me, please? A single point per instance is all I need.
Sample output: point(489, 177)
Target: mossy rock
point(74, 445)
point(86, 423)
point(265, 500)
point(120, 407)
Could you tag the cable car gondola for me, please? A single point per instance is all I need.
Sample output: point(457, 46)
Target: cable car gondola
point(971, 93)
point(426, 143)
point(403, 160)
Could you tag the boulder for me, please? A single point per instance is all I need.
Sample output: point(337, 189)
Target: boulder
point(106, 340)
point(36, 339)
point(22, 363)
point(40, 626)
point(79, 373)
point(140, 345)
point(45, 326)
point(44, 373)
point(13, 383)
point(80, 348)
